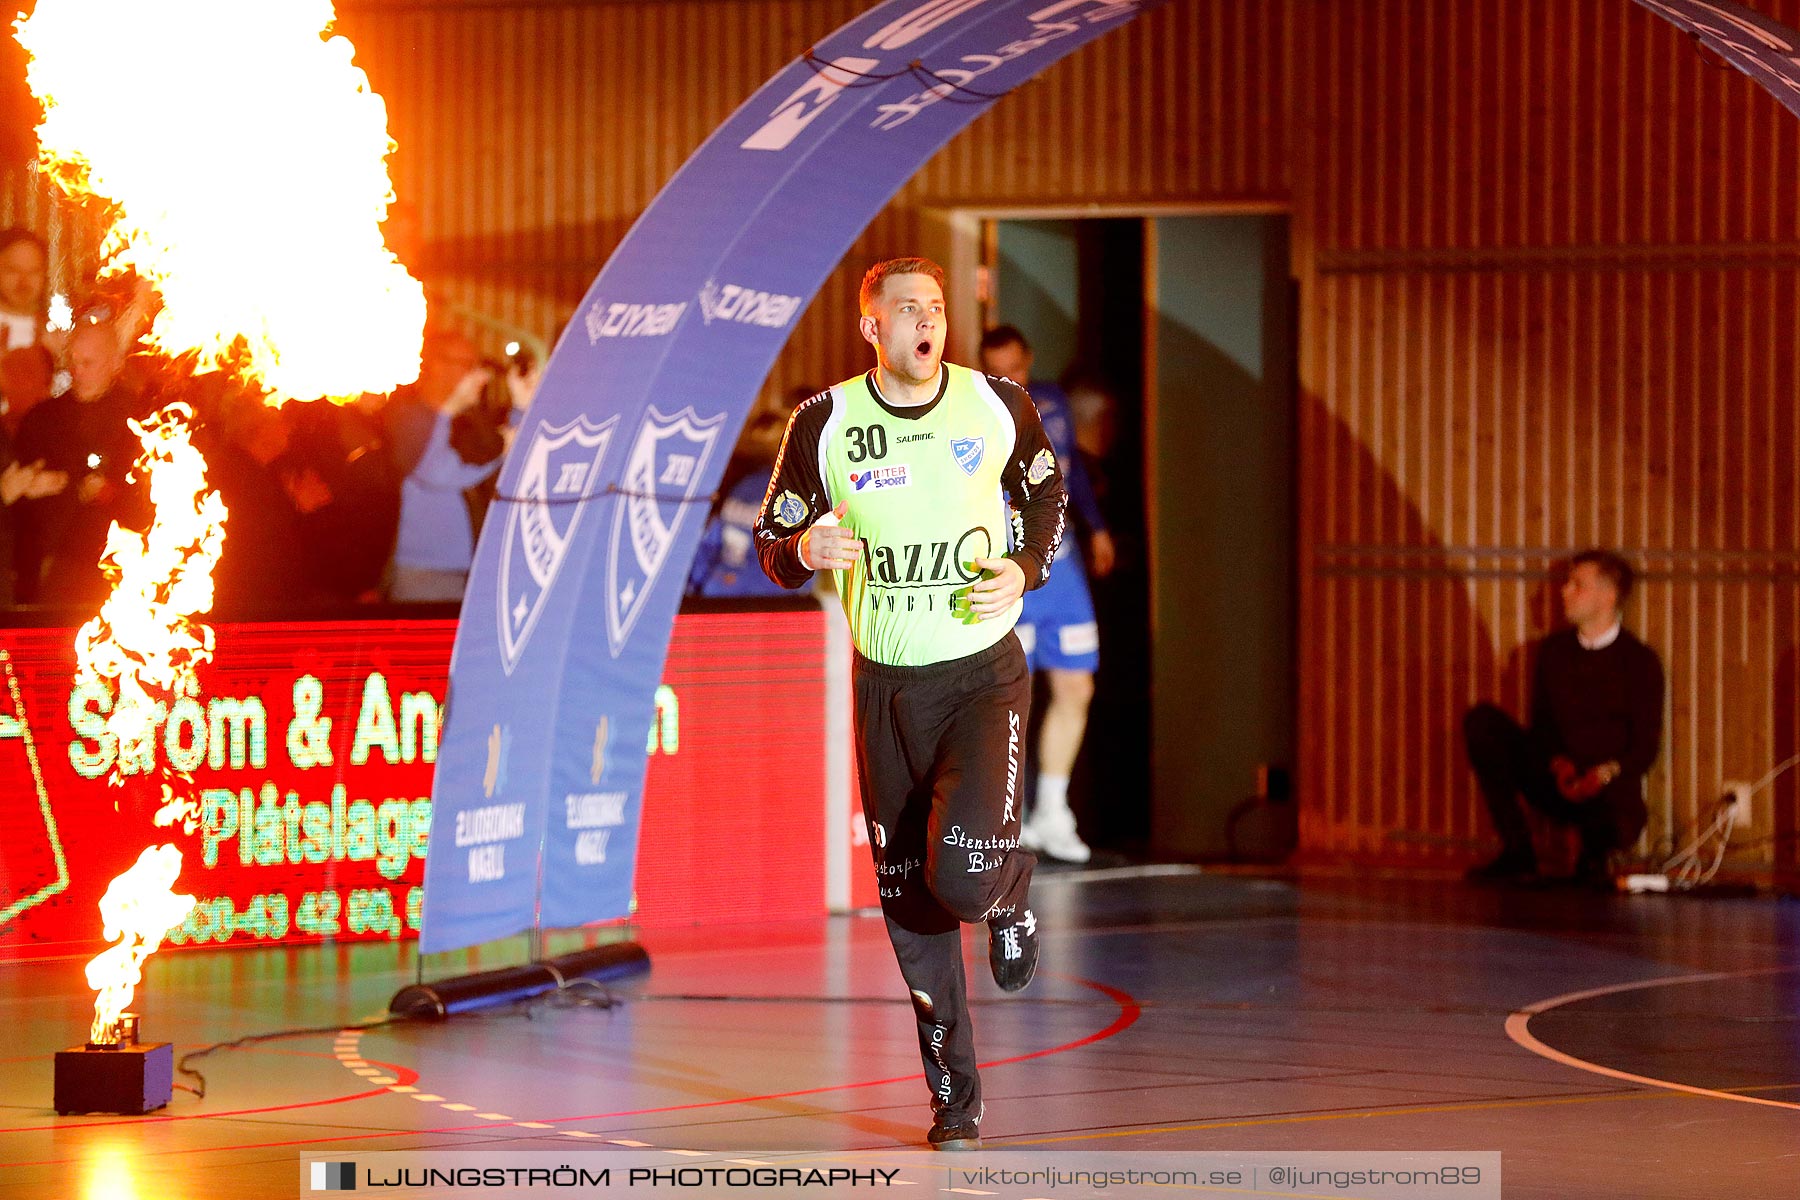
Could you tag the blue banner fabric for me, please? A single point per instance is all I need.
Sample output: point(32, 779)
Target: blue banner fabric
point(1765, 50)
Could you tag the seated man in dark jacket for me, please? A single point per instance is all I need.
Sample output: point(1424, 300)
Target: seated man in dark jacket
point(1596, 722)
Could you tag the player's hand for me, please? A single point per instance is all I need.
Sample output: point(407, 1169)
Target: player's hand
point(17, 477)
point(1002, 584)
point(45, 483)
point(828, 546)
point(1102, 554)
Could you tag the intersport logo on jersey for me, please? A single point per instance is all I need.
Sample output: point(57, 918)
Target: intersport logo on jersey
point(878, 478)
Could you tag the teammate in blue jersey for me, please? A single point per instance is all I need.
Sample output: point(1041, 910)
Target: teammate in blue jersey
point(1057, 628)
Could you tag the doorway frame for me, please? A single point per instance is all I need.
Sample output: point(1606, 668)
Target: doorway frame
point(963, 238)
point(953, 235)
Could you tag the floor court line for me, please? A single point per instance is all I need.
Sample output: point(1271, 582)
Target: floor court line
point(1129, 1012)
point(1517, 1028)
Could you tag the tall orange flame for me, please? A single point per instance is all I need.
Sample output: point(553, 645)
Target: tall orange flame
point(143, 637)
point(145, 643)
point(243, 158)
point(139, 908)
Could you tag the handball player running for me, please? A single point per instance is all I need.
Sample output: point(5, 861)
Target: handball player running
point(898, 481)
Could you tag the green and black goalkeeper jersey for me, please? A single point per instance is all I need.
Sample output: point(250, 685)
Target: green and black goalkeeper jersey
point(928, 490)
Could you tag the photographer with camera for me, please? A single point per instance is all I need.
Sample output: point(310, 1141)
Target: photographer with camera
point(447, 433)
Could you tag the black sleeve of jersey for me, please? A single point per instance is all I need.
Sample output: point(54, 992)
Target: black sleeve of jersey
point(1041, 503)
point(780, 522)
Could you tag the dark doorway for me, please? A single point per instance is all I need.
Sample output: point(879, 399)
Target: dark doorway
point(1187, 324)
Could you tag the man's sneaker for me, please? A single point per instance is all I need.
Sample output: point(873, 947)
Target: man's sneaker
point(1054, 836)
point(1029, 838)
point(1013, 952)
point(962, 1133)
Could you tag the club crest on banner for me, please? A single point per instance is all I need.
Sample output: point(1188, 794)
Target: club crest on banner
point(968, 453)
point(667, 462)
point(562, 464)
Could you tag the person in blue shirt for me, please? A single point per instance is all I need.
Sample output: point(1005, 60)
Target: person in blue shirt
point(1058, 629)
point(439, 499)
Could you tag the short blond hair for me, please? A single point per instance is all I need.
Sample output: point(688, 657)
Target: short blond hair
point(878, 275)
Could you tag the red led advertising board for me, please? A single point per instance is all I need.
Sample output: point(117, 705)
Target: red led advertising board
point(311, 750)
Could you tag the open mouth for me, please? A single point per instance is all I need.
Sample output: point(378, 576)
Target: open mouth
point(923, 349)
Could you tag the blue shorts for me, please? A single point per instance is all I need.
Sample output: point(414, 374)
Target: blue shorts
point(1057, 625)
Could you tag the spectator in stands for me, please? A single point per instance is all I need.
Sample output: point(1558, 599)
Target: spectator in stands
point(26, 375)
point(75, 451)
point(24, 278)
point(263, 570)
point(444, 462)
point(1596, 725)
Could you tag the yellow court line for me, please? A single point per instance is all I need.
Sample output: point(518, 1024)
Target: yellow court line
point(1517, 1028)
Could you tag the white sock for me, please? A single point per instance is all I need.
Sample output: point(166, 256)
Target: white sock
point(1052, 796)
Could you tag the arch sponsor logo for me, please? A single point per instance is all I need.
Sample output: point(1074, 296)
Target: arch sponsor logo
point(736, 304)
point(666, 464)
point(806, 103)
point(562, 463)
point(897, 35)
point(1052, 23)
point(608, 319)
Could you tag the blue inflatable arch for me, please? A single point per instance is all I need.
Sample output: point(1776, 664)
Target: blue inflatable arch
point(581, 566)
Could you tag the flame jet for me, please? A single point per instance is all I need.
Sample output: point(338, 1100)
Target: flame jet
point(239, 155)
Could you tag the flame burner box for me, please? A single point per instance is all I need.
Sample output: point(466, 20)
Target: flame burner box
point(132, 1079)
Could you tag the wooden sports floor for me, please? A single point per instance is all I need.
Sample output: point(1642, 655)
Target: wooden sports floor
point(1633, 1047)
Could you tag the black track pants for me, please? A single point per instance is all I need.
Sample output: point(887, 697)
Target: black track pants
point(1508, 767)
point(941, 753)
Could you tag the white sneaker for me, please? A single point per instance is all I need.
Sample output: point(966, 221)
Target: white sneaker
point(1055, 836)
point(1028, 837)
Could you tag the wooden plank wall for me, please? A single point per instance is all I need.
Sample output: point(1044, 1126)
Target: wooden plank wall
point(1551, 287)
point(1548, 262)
